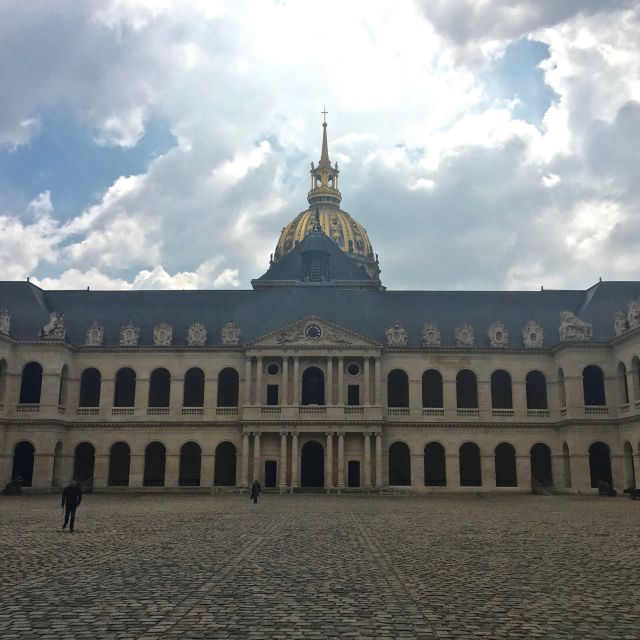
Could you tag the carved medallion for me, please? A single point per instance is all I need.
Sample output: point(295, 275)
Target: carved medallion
point(464, 335)
point(574, 329)
point(94, 336)
point(532, 335)
point(620, 323)
point(54, 329)
point(129, 335)
point(5, 322)
point(397, 336)
point(430, 335)
point(230, 334)
point(162, 334)
point(197, 335)
point(498, 335)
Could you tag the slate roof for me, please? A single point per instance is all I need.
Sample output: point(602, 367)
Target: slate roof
point(366, 312)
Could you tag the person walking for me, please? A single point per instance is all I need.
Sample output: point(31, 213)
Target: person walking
point(255, 491)
point(71, 499)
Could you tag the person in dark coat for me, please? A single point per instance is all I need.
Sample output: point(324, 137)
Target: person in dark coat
point(71, 499)
point(255, 491)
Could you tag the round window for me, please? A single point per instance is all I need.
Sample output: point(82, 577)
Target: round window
point(353, 369)
point(273, 369)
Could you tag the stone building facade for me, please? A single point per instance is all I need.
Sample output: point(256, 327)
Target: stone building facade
point(319, 377)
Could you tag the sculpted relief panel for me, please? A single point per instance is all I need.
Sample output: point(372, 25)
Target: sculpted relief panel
point(54, 329)
point(574, 329)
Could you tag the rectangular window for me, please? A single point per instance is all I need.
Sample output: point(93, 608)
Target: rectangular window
point(272, 394)
point(353, 394)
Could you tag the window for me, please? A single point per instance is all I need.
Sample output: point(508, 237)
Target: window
point(353, 395)
point(272, 394)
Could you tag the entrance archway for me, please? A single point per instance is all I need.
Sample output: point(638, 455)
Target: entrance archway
point(23, 456)
point(312, 472)
point(435, 468)
point(189, 470)
point(154, 465)
point(270, 473)
point(470, 469)
point(599, 464)
point(505, 459)
point(541, 472)
point(225, 465)
point(83, 462)
point(399, 465)
point(119, 465)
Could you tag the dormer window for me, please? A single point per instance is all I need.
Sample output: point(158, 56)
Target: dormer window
point(315, 267)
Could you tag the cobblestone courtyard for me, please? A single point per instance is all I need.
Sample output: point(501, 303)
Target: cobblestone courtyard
point(316, 566)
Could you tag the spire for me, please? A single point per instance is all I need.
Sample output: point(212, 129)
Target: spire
point(324, 157)
point(324, 177)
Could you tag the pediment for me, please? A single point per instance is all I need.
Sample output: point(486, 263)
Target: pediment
point(313, 331)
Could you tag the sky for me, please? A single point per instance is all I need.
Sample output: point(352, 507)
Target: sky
point(483, 144)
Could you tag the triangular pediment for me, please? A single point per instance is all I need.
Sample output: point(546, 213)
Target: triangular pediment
point(313, 331)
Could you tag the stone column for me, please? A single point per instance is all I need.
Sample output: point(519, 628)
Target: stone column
point(259, 390)
point(367, 385)
point(42, 470)
point(244, 473)
point(523, 472)
point(378, 460)
point(296, 380)
point(210, 391)
point(415, 396)
point(328, 459)
point(330, 381)
point(341, 461)
point(285, 381)
point(575, 395)
point(256, 456)
point(50, 392)
point(207, 465)
point(101, 471)
point(341, 381)
point(452, 464)
point(484, 397)
point(378, 389)
point(488, 470)
point(519, 391)
point(294, 460)
point(367, 460)
point(449, 397)
point(283, 460)
point(136, 469)
point(247, 381)
point(172, 469)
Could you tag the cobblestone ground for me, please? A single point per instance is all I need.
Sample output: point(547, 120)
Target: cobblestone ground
point(314, 566)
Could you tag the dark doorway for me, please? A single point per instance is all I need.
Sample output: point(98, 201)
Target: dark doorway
point(600, 464)
point(312, 464)
point(397, 389)
point(31, 384)
point(541, 472)
point(193, 394)
point(399, 465)
point(23, 456)
point(270, 473)
point(225, 471)
point(272, 395)
point(470, 468)
point(506, 475)
point(353, 473)
point(189, 473)
point(90, 381)
point(154, 464)
point(125, 388)
point(83, 463)
point(119, 465)
point(159, 388)
point(435, 470)
point(313, 386)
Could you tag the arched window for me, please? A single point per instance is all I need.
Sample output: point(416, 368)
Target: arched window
point(22, 468)
point(536, 385)
point(228, 386)
point(159, 388)
point(399, 465)
point(623, 387)
point(562, 391)
point(466, 390)
point(225, 465)
point(600, 464)
point(501, 397)
point(63, 390)
point(154, 464)
point(397, 389)
point(506, 475)
point(3, 380)
point(541, 473)
point(593, 386)
point(31, 383)
point(432, 389)
point(470, 469)
point(193, 388)
point(125, 388)
point(90, 381)
point(119, 464)
point(189, 473)
point(435, 469)
point(635, 377)
point(83, 462)
point(313, 386)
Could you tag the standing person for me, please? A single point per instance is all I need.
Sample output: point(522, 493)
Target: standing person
point(71, 499)
point(255, 491)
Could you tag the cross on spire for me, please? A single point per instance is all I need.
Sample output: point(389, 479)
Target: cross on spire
point(324, 112)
